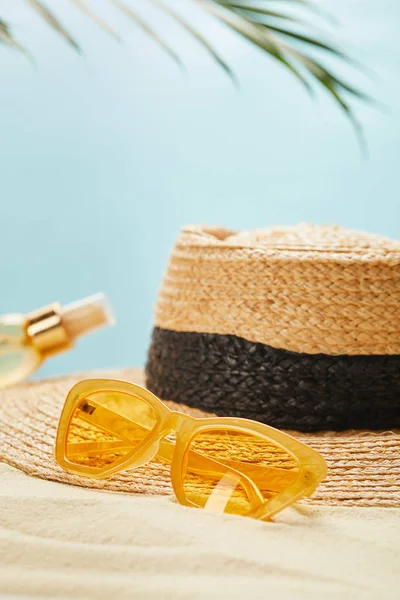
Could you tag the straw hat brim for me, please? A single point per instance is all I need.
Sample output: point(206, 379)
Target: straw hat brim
point(364, 466)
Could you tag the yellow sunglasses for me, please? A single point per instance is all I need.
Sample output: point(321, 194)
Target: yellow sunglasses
point(221, 464)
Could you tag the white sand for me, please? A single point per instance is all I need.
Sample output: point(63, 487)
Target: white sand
point(59, 541)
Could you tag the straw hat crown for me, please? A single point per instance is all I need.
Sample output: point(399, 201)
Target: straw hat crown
point(307, 288)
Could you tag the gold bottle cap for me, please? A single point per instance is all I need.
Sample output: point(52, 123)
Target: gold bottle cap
point(53, 329)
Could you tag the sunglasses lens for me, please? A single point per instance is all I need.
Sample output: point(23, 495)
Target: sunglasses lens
point(234, 471)
point(106, 426)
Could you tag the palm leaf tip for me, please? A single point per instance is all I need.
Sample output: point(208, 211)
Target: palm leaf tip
point(139, 22)
point(338, 90)
point(91, 14)
point(285, 46)
point(49, 17)
point(198, 37)
point(5, 33)
point(7, 39)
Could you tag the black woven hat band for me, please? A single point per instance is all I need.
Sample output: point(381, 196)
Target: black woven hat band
point(231, 376)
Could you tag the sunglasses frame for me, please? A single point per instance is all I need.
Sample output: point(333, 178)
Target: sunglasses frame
point(312, 468)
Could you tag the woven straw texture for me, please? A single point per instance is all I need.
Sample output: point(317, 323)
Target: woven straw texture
point(307, 289)
point(364, 466)
point(306, 392)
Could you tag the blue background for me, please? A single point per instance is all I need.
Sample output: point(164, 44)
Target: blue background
point(103, 158)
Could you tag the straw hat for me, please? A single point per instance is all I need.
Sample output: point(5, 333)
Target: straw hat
point(364, 467)
point(298, 327)
point(255, 324)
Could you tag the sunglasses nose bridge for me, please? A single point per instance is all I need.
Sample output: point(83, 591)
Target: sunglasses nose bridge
point(180, 422)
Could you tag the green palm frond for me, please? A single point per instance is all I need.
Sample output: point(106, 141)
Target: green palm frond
point(273, 31)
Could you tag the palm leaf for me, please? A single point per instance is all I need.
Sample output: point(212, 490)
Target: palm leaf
point(307, 4)
point(256, 22)
point(255, 33)
point(54, 23)
point(148, 30)
point(200, 38)
point(257, 12)
point(7, 39)
point(311, 41)
point(83, 7)
point(335, 87)
point(273, 40)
